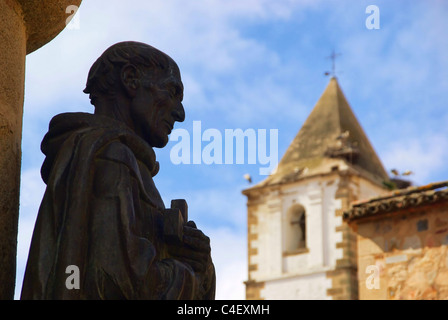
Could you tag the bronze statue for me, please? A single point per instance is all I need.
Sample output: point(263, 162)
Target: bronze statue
point(101, 211)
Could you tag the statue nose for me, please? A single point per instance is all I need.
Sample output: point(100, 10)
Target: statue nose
point(178, 113)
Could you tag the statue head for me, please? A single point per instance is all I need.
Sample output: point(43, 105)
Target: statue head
point(136, 83)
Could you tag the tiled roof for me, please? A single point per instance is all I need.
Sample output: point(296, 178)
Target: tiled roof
point(398, 200)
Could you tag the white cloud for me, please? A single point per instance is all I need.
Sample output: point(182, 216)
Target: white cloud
point(219, 205)
point(31, 192)
point(405, 54)
point(229, 254)
point(202, 36)
point(26, 225)
point(424, 156)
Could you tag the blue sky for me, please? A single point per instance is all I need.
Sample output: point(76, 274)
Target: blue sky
point(254, 64)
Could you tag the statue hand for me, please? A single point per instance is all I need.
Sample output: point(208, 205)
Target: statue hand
point(195, 248)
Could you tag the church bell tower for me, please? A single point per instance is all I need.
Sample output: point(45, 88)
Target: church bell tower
point(298, 245)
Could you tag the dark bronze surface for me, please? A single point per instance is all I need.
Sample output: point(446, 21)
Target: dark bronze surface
point(101, 211)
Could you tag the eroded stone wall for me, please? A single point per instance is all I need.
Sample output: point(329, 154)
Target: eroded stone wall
point(404, 256)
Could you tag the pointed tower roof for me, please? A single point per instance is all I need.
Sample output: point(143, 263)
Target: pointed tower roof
point(330, 139)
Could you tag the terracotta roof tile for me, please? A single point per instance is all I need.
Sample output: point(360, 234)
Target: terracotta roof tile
point(398, 200)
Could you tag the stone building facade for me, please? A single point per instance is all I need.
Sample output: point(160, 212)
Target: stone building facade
point(299, 247)
point(402, 244)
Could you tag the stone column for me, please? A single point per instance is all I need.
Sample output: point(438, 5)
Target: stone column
point(12, 77)
point(24, 27)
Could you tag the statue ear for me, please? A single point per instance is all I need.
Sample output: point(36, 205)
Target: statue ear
point(129, 79)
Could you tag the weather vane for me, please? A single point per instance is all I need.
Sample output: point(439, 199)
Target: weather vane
point(333, 57)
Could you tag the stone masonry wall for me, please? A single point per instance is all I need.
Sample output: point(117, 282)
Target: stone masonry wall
point(344, 280)
point(404, 256)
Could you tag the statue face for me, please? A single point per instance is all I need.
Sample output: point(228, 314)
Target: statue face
point(155, 108)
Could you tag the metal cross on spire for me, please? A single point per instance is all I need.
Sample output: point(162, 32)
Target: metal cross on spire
point(333, 57)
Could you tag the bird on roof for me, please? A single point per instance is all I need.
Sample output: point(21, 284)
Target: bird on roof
point(395, 172)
